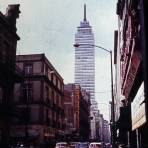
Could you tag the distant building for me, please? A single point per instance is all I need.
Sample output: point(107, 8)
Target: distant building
point(8, 72)
point(77, 107)
point(106, 132)
point(85, 63)
point(101, 132)
point(103, 129)
point(85, 115)
point(69, 97)
point(40, 101)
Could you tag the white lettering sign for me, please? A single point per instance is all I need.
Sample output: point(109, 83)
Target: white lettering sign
point(138, 109)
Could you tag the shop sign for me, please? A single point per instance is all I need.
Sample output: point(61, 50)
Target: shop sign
point(138, 109)
point(133, 68)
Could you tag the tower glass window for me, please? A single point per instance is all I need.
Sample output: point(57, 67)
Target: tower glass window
point(85, 57)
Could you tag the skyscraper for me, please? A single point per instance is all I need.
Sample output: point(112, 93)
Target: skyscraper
point(85, 60)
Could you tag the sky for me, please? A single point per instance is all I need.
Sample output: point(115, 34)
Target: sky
point(49, 26)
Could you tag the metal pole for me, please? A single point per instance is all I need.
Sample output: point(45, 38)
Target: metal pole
point(137, 137)
point(112, 95)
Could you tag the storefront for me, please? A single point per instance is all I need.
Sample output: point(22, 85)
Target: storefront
point(123, 126)
point(139, 121)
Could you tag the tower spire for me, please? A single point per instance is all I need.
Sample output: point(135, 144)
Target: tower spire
point(84, 12)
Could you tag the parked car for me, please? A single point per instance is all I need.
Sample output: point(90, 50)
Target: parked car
point(73, 144)
point(61, 145)
point(107, 145)
point(82, 145)
point(95, 145)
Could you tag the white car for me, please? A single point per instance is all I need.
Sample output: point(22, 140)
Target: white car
point(61, 145)
point(95, 145)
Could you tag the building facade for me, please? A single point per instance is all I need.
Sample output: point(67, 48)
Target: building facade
point(69, 98)
point(8, 75)
point(102, 128)
point(39, 99)
point(132, 122)
point(85, 63)
point(85, 115)
point(106, 132)
point(77, 109)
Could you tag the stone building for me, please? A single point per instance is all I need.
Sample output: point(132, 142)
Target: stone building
point(8, 71)
point(40, 100)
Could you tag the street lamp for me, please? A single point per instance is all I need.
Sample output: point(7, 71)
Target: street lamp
point(112, 97)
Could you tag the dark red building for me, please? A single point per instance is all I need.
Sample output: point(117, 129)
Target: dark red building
point(131, 72)
point(77, 110)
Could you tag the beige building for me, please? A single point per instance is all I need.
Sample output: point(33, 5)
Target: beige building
point(40, 101)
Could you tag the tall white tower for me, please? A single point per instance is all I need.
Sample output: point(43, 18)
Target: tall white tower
point(85, 64)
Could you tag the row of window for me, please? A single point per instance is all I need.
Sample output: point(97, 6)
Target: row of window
point(50, 95)
point(87, 70)
point(28, 70)
point(89, 65)
point(32, 114)
point(84, 57)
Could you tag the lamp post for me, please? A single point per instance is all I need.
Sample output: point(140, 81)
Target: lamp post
point(112, 96)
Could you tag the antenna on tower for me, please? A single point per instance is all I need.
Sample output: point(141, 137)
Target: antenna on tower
point(84, 12)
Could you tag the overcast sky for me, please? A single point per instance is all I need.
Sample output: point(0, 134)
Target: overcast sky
point(49, 26)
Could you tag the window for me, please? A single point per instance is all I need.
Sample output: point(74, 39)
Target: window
point(5, 52)
point(54, 79)
point(34, 114)
point(51, 76)
point(55, 98)
point(59, 84)
point(27, 91)
point(60, 101)
point(47, 94)
point(57, 101)
point(52, 97)
point(28, 69)
point(46, 70)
